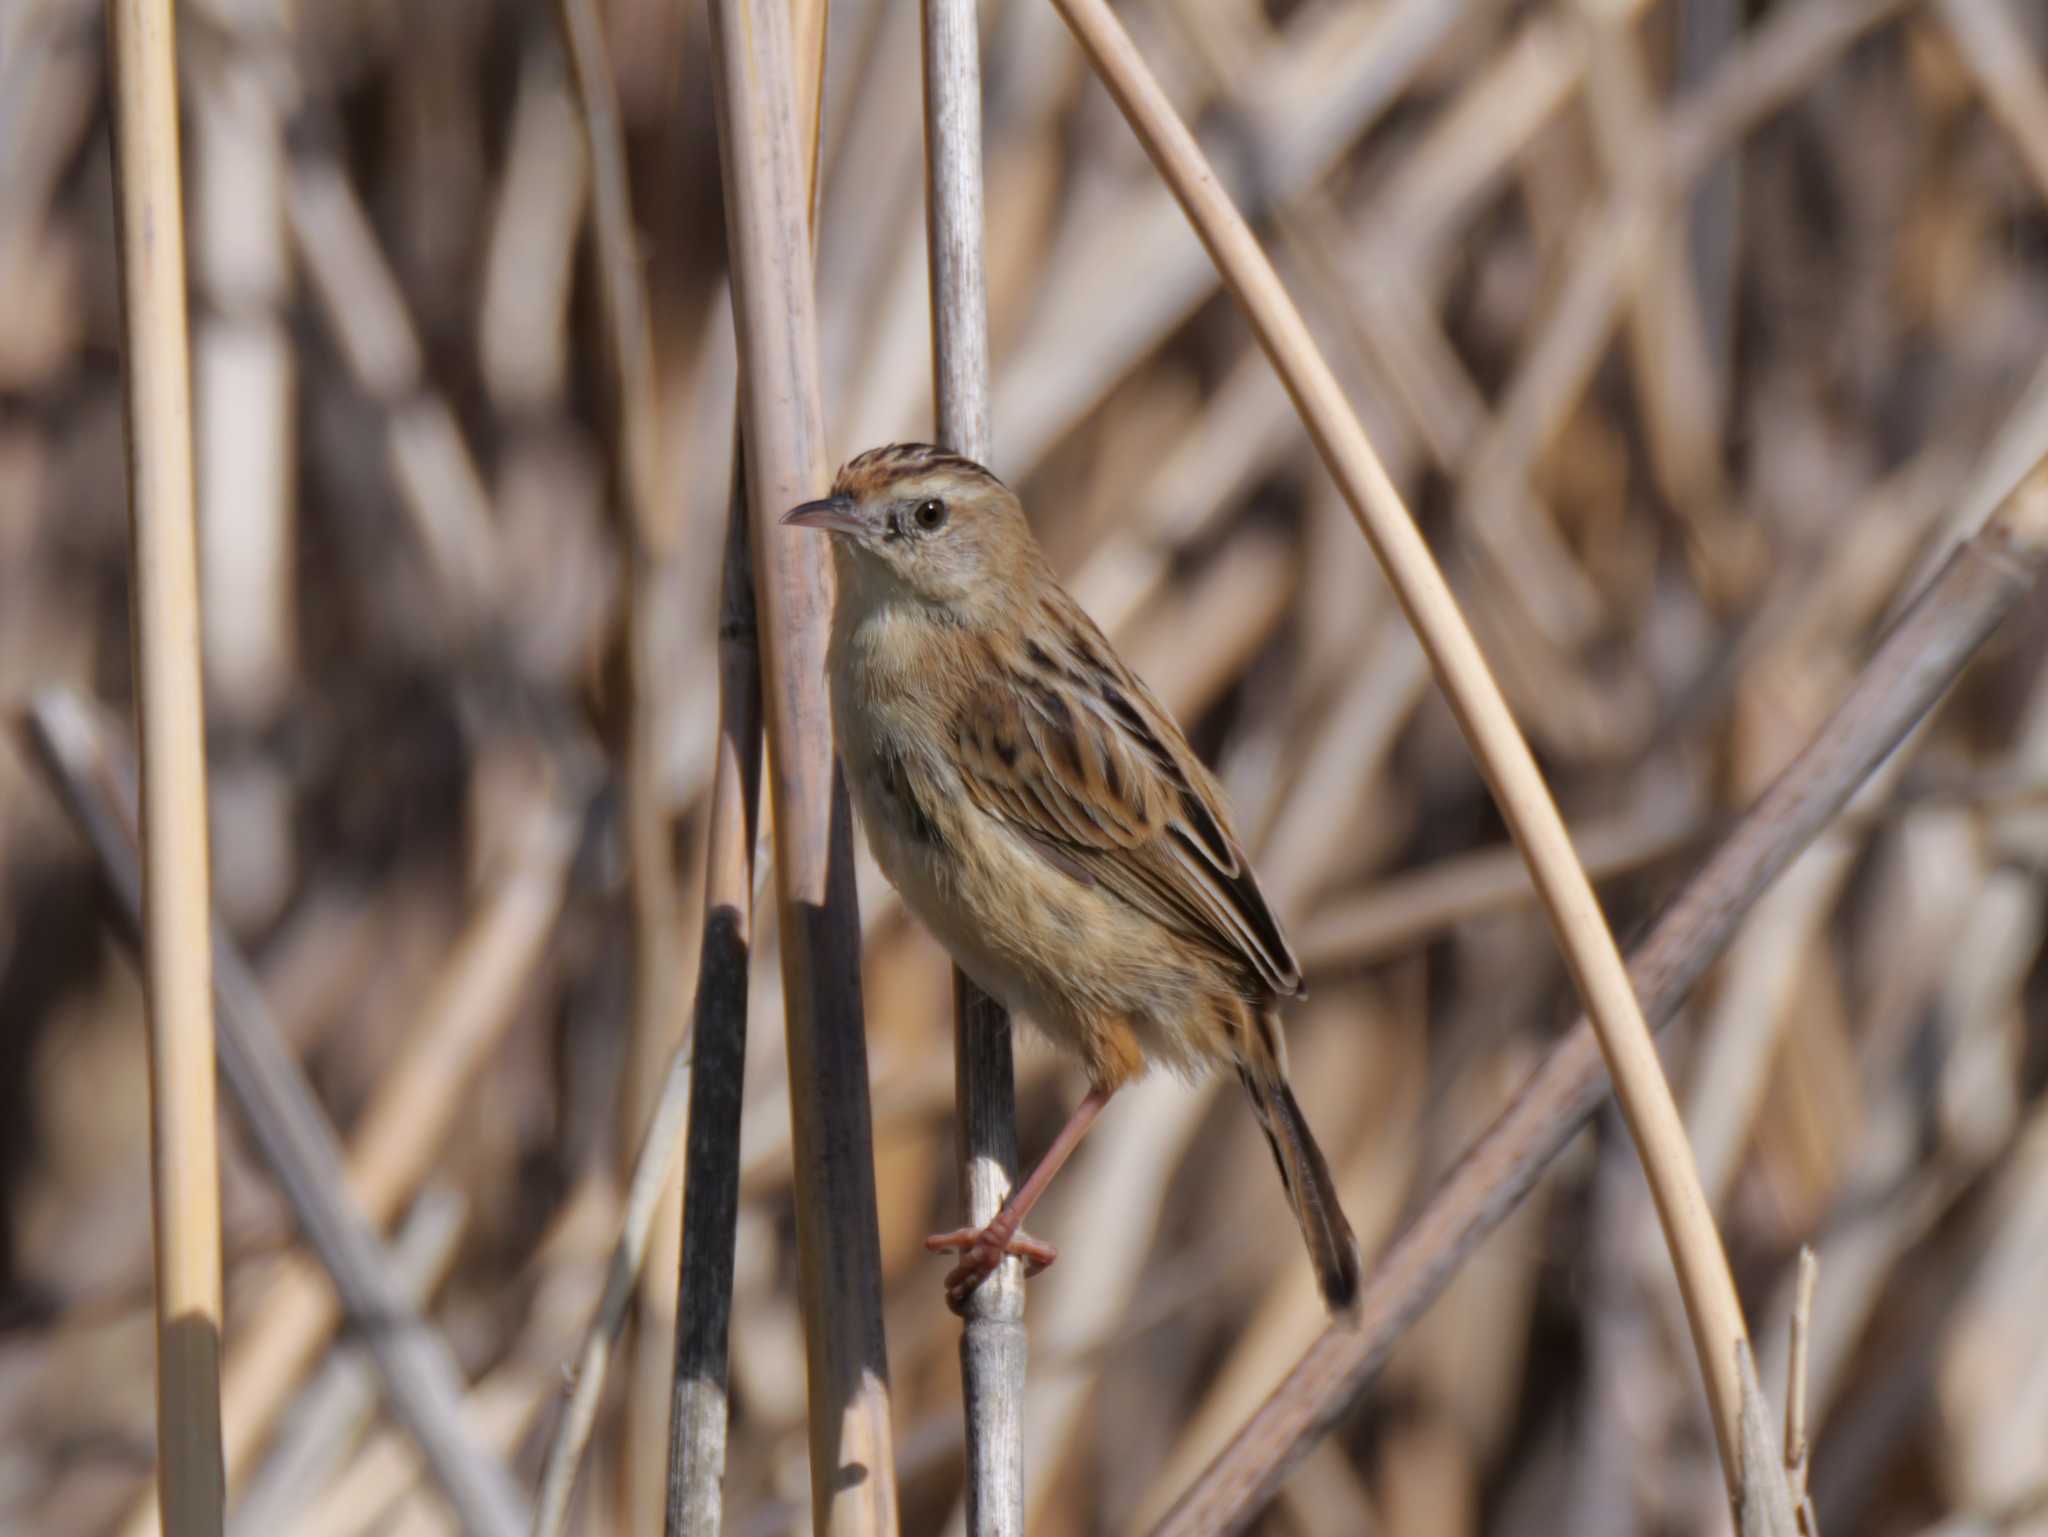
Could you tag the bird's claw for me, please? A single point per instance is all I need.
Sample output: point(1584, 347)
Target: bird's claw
point(981, 1250)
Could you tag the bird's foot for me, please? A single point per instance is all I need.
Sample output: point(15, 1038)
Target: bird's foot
point(980, 1251)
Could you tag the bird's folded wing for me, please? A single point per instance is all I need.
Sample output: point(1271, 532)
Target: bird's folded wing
point(1070, 749)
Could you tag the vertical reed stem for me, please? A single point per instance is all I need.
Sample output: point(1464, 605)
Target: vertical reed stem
point(177, 959)
point(767, 196)
point(993, 1343)
point(699, 1411)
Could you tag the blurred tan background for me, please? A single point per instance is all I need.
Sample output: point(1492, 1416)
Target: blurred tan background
point(1688, 327)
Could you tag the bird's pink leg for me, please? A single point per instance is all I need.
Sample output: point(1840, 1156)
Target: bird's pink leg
point(983, 1249)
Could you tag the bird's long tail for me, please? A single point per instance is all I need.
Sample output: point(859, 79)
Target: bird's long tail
point(1306, 1174)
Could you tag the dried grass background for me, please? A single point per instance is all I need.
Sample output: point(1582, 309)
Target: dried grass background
point(1687, 328)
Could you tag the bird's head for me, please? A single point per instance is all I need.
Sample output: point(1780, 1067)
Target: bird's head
point(914, 522)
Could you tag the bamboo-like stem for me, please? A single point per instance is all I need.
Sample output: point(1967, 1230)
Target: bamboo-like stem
point(699, 1407)
point(176, 899)
point(1711, 1304)
point(698, 1411)
point(993, 1344)
point(762, 150)
point(1908, 673)
point(953, 227)
point(422, 1384)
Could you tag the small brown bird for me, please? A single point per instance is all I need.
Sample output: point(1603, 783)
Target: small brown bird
point(1045, 818)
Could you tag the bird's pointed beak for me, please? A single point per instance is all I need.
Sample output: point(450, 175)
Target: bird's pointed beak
point(834, 514)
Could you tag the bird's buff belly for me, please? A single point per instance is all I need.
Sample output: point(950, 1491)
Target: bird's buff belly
point(1071, 959)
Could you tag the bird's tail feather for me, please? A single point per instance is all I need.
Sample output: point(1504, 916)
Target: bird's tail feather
point(1306, 1173)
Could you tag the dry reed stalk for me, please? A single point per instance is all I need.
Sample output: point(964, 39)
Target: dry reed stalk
point(176, 903)
point(1906, 675)
point(1511, 771)
point(994, 1348)
point(762, 150)
point(993, 1345)
point(699, 1398)
point(421, 1382)
point(699, 1411)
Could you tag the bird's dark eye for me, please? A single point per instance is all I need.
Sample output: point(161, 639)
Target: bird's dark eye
point(930, 514)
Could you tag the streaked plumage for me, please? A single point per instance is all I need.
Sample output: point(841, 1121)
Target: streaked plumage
point(1045, 817)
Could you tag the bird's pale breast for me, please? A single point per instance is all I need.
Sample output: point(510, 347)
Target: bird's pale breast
point(1073, 958)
